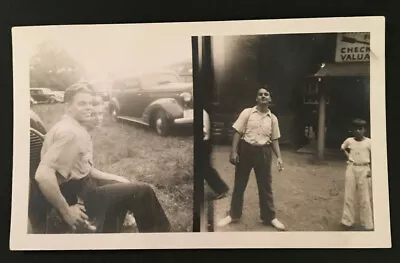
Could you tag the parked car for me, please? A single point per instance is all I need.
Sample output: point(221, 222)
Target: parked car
point(158, 99)
point(59, 95)
point(36, 123)
point(43, 95)
point(33, 101)
point(102, 88)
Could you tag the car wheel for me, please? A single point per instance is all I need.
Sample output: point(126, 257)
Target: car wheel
point(114, 113)
point(161, 123)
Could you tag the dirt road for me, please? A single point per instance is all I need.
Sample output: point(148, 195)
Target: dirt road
point(308, 197)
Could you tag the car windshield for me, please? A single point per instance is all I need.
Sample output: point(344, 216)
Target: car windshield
point(150, 81)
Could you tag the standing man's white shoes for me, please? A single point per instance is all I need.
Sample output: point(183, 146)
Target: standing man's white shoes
point(225, 221)
point(277, 224)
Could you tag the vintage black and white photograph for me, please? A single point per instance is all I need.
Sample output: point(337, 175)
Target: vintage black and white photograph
point(111, 140)
point(289, 123)
point(292, 151)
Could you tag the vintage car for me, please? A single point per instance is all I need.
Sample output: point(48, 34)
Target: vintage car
point(157, 99)
point(44, 95)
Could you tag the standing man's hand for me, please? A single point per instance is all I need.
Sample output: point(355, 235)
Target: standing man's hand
point(234, 158)
point(75, 215)
point(279, 163)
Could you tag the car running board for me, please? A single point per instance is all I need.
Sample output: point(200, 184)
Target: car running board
point(128, 118)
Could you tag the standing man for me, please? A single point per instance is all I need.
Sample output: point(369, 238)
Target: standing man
point(67, 162)
point(256, 137)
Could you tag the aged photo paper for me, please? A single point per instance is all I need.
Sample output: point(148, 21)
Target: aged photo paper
point(125, 93)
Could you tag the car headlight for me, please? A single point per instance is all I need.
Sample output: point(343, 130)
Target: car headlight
point(187, 97)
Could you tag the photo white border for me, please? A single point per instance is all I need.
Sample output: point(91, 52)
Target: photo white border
point(22, 39)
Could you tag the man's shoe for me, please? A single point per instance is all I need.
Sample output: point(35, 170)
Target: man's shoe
point(129, 220)
point(277, 224)
point(226, 221)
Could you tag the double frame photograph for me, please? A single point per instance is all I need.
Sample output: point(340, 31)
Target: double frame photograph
point(292, 153)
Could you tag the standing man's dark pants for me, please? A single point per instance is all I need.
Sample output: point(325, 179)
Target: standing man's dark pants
point(211, 175)
point(106, 204)
point(259, 158)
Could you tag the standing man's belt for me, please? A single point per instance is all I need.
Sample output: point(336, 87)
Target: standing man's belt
point(259, 145)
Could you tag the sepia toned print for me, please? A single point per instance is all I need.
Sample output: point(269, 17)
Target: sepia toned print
point(147, 86)
point(94, 176)
point(298, 93)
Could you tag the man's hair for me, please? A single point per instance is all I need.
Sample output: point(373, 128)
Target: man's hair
point(265, 86)
point(71, 91)
point(359, 123)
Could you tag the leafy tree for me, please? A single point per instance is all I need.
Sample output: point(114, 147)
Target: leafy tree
point(53, 67)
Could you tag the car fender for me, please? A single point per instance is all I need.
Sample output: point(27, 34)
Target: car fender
point(170, 106)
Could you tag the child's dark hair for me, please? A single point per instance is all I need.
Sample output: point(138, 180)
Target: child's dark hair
point(359, 123)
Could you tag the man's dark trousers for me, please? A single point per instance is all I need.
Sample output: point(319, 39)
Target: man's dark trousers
point(106, 202)
point(259, 158)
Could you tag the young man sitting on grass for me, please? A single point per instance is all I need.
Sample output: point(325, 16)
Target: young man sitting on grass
point(66, 171)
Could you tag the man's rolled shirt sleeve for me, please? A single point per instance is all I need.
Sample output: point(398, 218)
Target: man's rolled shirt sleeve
point(275, 131)
point(240, 123)
point(63, 153)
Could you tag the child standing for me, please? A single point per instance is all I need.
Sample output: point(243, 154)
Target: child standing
point(358, 178)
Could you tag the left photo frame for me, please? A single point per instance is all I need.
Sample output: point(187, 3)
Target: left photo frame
point(111, 132)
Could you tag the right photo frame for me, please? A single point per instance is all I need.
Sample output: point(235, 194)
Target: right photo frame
point(287, 132)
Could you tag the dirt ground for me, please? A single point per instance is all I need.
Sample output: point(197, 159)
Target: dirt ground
point(308, 195)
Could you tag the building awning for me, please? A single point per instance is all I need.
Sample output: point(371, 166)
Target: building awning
point(343, 70)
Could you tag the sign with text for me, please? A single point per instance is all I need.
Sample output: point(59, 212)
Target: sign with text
point(352, 47)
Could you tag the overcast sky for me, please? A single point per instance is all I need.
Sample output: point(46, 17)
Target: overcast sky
point(119, 50)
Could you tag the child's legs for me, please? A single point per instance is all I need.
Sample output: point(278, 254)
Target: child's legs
point(364, 193)
point(349, 197)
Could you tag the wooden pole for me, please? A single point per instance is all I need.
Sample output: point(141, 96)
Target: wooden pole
point(321, 122)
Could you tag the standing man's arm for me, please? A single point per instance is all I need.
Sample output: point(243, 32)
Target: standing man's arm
point(275, 135)
point(277, 151)
point(234, 157)
point(239, 127)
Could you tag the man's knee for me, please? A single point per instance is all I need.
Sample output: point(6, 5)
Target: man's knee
point(144, 189)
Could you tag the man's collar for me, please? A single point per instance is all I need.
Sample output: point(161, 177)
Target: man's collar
point(254, 109)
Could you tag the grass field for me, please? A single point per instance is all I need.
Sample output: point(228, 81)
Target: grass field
point(136, 152)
